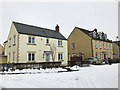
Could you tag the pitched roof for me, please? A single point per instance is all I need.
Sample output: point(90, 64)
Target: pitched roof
point(37, 31)
point(88, 33)
point(117, 42)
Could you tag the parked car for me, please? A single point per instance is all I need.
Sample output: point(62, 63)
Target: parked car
point(94, 60)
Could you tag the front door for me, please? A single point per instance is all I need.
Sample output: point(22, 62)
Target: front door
point(104, 56)
point(47, 57)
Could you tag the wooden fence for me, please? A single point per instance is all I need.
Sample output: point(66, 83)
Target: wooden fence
point(78, 61)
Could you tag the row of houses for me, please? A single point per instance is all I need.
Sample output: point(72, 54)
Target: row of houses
point(32, 44)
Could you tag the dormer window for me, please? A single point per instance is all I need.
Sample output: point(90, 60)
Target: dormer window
point(100, 35)
point(31, 40)
point(105, 36)
point(94, 34)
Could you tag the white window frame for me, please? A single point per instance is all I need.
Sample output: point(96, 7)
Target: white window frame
point(31, 40)
point(96, 44)
point(59, 42)
point(103, 45)
point(111, 55)
point(31, 58)
point(101, 56)
point(13, 56)
point(61, 56)
point(100, 45)
point(97, 55)
point(107, 45)
point(9, 57)
point(110, 46)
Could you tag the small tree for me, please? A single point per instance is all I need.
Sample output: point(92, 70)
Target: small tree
point(53, 51)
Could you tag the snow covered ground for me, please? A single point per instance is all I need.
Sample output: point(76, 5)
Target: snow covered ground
point(98, 76)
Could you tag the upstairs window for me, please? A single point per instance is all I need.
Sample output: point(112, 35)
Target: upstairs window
point(103, 45)
point(107, 45)
point(110, 46)
point(13, 56)
point(100, 45)
point(96, 44)
point(47, 41)
point(31, 40)
point(14, 40)
point(31, 56)
point(73, 46)
point(59, 43)
point(60, 56)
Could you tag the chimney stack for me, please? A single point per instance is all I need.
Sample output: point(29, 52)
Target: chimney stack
point(95, 30)
point(57, 28)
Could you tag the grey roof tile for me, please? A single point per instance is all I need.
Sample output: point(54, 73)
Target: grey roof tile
point(37, 31)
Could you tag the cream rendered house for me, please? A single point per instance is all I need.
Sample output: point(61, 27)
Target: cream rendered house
point(27, 43)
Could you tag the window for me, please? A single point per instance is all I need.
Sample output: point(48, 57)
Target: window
point(14, 40)
point(96, 55)
point(73, 46)
point(103, 45)
point(59, 43)
point(31, 40)
point(31, 56)
point(9, 57)
point(13, 56)
point(47, 41)
point(110, 46)
point(80, 54)
point(10, 42)
point(111, 55)
point(100, 45)
point(73, 55)
point(60, 56)
point(100, 56)
point(95, 44)
point(107, 45)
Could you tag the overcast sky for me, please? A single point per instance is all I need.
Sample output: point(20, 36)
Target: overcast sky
point(87, 15)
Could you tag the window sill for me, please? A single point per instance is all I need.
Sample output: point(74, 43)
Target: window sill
point(60, 46)
point(60, 60)
point(31, 44)
point(31, 62)
point(47, 44)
